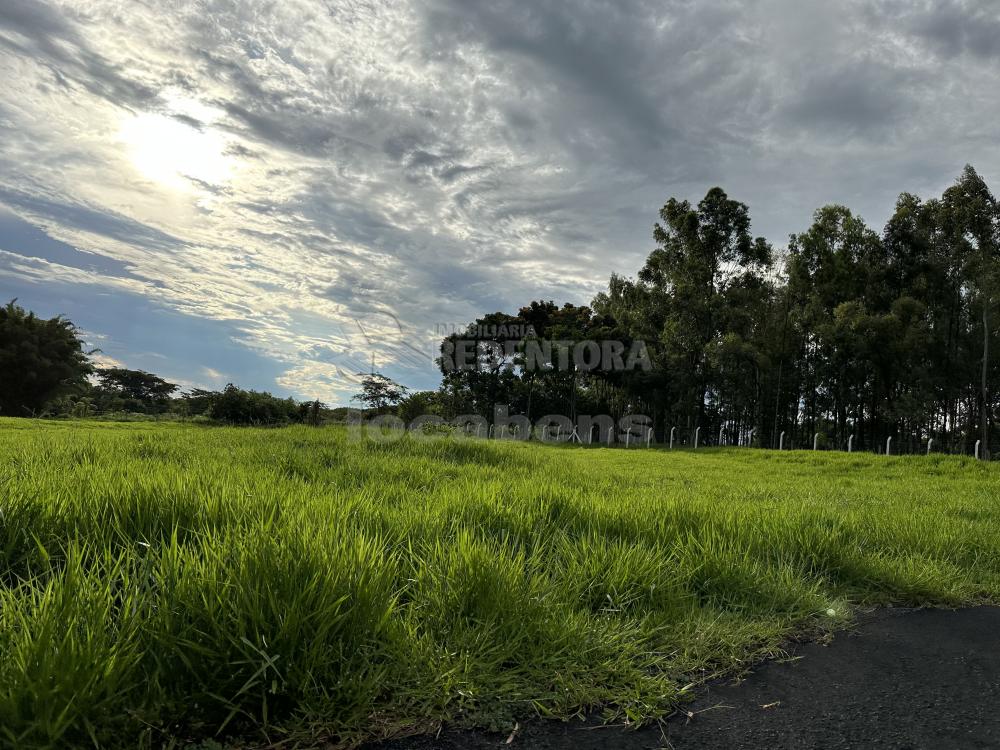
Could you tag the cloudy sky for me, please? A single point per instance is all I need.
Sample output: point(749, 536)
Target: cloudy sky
point(272, 193)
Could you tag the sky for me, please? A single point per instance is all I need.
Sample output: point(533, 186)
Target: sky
point(280, 193)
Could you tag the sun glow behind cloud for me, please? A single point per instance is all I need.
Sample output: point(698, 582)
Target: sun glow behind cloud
point(172, 153)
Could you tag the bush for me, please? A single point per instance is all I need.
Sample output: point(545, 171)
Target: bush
point(236, 406)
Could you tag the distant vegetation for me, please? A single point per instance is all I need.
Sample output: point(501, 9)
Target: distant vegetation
point(44, 371)
point(161, 582)
point(851, 333)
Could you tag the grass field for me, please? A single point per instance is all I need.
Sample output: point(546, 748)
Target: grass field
point(170, 582)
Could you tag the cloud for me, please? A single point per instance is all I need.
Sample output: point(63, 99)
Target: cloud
point(949, 27)
point(860, 98)
point(43, 33)
point(367, 171)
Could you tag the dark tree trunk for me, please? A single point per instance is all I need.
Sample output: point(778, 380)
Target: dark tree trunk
point(984, 427)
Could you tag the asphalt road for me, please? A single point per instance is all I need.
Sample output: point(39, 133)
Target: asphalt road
point(917, 679)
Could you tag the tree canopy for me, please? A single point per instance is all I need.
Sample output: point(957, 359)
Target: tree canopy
point(379, 392)
point(848, 332)
point(44, 371)
point(39, 360)
point(132, 390)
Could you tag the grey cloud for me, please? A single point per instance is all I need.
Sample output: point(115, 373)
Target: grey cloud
point(863, 97)
point(302, 132)
point(191, 122)
point(594, 53)
point(34, 20)
point(53, 41)
point(951, 27)
point(590, 80)
point(78, 216)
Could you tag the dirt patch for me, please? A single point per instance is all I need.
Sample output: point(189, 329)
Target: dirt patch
point(917, 679)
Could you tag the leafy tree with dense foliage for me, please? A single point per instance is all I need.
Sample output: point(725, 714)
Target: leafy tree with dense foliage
point(40, 360)
point(499, 360)
point(703, 287)
point(379, 392)
point(242, 407)
point(311, 412)
point(44, 371)
point(853, 333)
point(476, 366)
point(133, 390)
point(196, 402)
point(419, 403)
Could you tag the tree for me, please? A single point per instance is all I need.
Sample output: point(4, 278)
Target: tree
point(478, 364)
point(971, 222)
point(418, 404)
point(379, 392)
point(237, 406)
point(197, 402)
point(705, 261)
point(836, 283)
point(139, 390)
point(39, 360)
point(311, 413)
point(855, 334)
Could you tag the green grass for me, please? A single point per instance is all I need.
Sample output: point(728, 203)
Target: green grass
point(165, 583)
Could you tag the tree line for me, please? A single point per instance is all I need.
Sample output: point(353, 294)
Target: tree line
point(46, 372)
point(847, 332)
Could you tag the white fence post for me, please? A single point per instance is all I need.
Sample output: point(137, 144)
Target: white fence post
point(850, 444)
point(978, 443)
point(649, 435)
point(888, 446)
point(697, 432)
point(673, 431)
point(816, 442)
point(781, 441)
point(611, 432)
